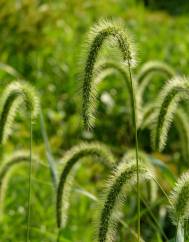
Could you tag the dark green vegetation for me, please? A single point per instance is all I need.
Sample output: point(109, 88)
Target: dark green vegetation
point(43, 43)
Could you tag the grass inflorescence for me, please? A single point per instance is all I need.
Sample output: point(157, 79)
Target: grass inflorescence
point(172, 93)
point(123, 178)
point(69, 160)
point(14, 96)
point(102, 31)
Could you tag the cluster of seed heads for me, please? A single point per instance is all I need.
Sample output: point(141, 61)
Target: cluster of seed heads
point(156, 116)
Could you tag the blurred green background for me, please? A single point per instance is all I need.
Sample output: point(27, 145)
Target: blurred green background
point(43, 41)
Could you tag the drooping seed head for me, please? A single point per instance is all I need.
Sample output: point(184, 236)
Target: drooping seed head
point(123, 178)
point(173, 92)
point(14, 96)
point(69, 161)
point(101, 32)
point(180, 200)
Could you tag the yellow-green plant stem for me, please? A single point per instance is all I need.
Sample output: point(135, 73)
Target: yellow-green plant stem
point(50, 158)
point(154, 220)
point(136, 149)
point(29, 185)
point(58, 236)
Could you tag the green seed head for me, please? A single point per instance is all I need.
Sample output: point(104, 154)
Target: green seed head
point(69, 161)
point(122, 180)
point(14, 96)
point(173, 92)
point(104, 31)
point(180, 200)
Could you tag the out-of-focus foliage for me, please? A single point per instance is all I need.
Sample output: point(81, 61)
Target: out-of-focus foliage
point(168, 6)
point(23, 27)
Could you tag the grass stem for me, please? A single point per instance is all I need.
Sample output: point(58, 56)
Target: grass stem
point(29, 184)
point(136, 149)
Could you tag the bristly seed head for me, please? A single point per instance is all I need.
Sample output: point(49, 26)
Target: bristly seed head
point(180, 200)
point(123, 178)
point(104, 30)
point(69, 161)
point(15, 95)
point(173, 92)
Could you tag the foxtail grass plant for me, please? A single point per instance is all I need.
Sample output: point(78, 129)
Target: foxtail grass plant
point(17, 95)
point(13, 98)
point(172, 94)
point(103, 33)
point(123, 179)
point(11, 71)
point(180, 120)
point(179, 208)
point(69, 160)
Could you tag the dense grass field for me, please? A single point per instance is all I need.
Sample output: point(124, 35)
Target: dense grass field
point(45, 56)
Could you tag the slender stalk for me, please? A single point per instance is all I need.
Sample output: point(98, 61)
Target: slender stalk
point(136, 149)
point(163, 191)
point(154, 219)
point(123, 178)
point(58, 236)
point(177, 226)
point(48, 152)
point(50, 159)
point(29, 181)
